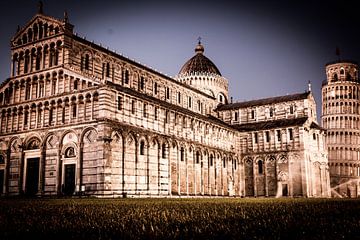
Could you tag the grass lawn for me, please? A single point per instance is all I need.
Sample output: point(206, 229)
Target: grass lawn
point(210, 218)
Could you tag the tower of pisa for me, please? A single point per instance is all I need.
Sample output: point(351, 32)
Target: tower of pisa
point(340, 116)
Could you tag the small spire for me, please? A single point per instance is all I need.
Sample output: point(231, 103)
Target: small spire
point(199, 48)
point(66, 17)
point(18, 28)
point(40, 7)
point(309, 86)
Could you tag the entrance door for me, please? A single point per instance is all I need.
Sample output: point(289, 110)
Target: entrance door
point(1, 181)
point(69, 181)
point(284, 190)
point(32, 176)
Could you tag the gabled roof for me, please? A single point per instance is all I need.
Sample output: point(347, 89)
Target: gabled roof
point(50, 21)
point(264, 101)
point(265, 125)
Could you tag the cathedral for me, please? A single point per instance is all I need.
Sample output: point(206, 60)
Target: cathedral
point(79, 119)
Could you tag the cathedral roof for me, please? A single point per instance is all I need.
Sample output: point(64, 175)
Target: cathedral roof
point(265, 125)
point(264, 101)
point(199, 63)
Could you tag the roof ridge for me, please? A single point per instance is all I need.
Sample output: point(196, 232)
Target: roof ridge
point(264, 101)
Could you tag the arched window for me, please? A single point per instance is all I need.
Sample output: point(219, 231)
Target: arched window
point(126, 76)
point(87, 62)
point(271, 112)
point(33, 144)
point(342, 71)
point(142, 147)
point(38, 60)
point(142, 83)
point(260, 167)
point(2, 159)
point(291, 109)
point(75, 84)
point(197, 157)
point(155, 88)
point(156, 113)
point(144, 110)
point(74, 111)
point(224, 163)
point(133, 107)
point(163, 150)
point(335, 77)
point(167, 93)
point(182, 154)
point(211, 160)
point(107, 69)
point(50, 116)
point(70, 152)
point(236, 117)
point(27, 61)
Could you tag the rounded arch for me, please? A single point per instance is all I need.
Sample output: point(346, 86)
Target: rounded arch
point(14, 144)
point(88, 135)
point(51, 140)
point(66, 148)
point(116, 136)
point(68, 136)
point(33, 143)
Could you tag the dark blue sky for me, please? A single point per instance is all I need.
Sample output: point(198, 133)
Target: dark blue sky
point(264, 48)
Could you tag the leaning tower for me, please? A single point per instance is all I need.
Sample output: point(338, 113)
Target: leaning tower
point(340, 117)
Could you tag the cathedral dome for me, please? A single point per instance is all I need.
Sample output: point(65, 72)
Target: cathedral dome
point(199, 64)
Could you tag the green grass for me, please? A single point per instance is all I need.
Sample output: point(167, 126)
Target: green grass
point(180, 218)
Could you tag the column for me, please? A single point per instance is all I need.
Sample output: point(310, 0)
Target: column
point(11, 115)
point(57, 89)
point(92, 108)
point(254, 179)
point(41, 186)
point(265, 179)
point(44, 87)
point(13, 93)
point(23, 123)
point(31, 90)
point(136, 162)
point(38, 88)
point(64, 80)
point(1, 120)
point(7, 121)
point(169, 170)
point(209, 168)
point(84, 112)
point(18, 121)
point(186, 171)
point(178, 170)
point(77, 110)
point(290, 183)
point(12, 67)
point(43, 116)
point(19, 98)
point(36, 117)
point(194, 171)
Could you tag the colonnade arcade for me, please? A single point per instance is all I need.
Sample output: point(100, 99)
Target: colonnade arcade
point(133, 163)
point(273, 175)
point(53, 112)
point(36, 58)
